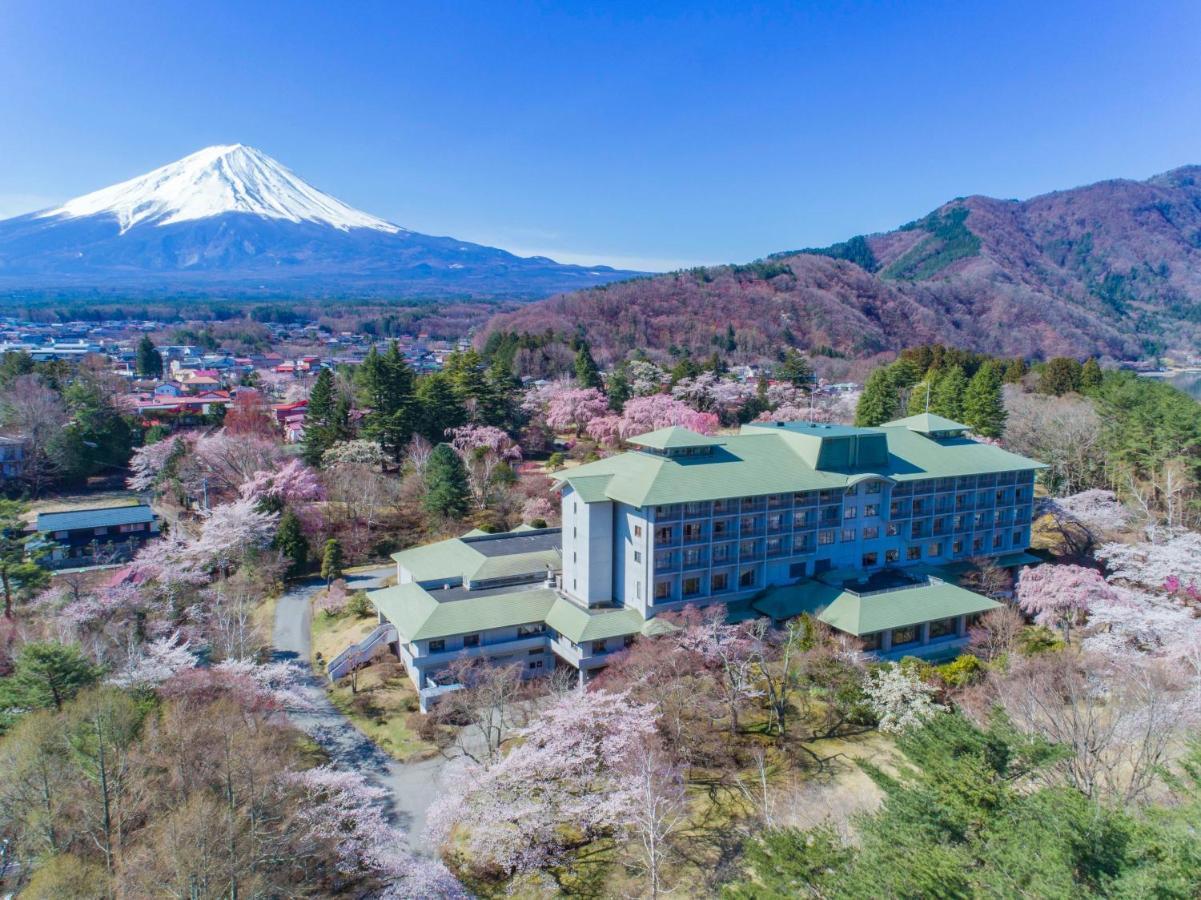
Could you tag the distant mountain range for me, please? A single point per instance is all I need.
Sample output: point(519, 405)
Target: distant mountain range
point(231, 219)
point(1111, 269)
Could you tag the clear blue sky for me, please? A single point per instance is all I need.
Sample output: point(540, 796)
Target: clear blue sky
point(643, 134)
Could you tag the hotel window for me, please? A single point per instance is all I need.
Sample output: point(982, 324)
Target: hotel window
point(892, 529)
point(720, 526)
point(998, 541)
point(749, 525)
point(848, 534)
point(906, 635)
point(870, 532)
point(527, 630)
point(746, 548)
point(977, 544)
point(637, 531)
point(912, 553)
point(536, 664)
point(471, 640)
point(934, 550)
point(663, 510)
point(871, 641)
point(662, 590)
point(872, 487)
point(692, 586)
point(957, 547)
point(852, 490)
point(663, 535)
point(746, 578)
point(871, 509)
point(891, 556)
point(637, 590)
point(721, 552)
point(637, 556)
point(1017, 538)
point(598, 646)
point(775, 521)
point(692, 558)
point(437, 646)
point(800, 519)
point(825, 537)
point(774, 546)
point(748, 502)
point(870, 559)
point(720, 581)
point(693, 532)
point(942, 627)
point(850, 512)
point(720, 506)
point(694, 509)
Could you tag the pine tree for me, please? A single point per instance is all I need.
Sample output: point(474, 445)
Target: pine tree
point(795, 369)
point(437, 407)
point(618, 388)
point(1060, 376)
point(291, 542)
point(1015, 370)
point(446, 491)
point(921, 395)
point(586, 372)
point(150, 361)
point(984, 402)
point(878, 402)
point(1090, 375)
point(946, 398)
point(385, 386)
point(319, 424)
point(331, 561)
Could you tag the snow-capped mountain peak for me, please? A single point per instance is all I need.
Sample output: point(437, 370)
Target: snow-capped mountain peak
point(230, 178)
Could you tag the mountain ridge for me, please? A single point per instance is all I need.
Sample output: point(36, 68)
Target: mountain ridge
point(1110, 269)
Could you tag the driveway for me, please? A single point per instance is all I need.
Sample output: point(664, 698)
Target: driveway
point(413, 787)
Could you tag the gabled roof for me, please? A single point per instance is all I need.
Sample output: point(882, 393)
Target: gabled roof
point(479, 556)
point(673, 438)
point(100, 517)
point(578, 624)
point(927, 423)
point(418, 614)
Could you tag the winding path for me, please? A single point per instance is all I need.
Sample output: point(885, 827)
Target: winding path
point(412, 786)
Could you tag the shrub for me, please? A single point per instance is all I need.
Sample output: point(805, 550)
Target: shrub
point(358, 605)
point(962, 671)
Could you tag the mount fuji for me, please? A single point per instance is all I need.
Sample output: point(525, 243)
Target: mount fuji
point(231, 219)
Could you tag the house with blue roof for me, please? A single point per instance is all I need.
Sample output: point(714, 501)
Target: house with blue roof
point(96, 536)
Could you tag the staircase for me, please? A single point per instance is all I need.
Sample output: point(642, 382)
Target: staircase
point(357, 654)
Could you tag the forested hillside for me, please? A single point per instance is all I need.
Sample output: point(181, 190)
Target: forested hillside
point(1112, 269)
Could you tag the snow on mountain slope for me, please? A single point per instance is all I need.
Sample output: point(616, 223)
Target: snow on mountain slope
point(231, 178)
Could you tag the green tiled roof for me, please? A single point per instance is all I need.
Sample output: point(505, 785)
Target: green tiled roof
point(578, 624)
point(457, 559)
point(926, 423)
point(418, 615)
point(766, 459)
point(860, 615)
point(672, 438)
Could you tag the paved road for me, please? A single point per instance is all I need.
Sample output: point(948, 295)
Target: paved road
point(413, 786)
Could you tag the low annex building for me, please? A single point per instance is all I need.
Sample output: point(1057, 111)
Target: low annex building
point(868, 529)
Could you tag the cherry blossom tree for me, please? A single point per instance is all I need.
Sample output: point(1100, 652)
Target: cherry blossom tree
point(1153, 564)
point(574, 409)
point(643, 414)
point(483, 449)
point(155, 662)
point(1060, 596)
point(1099, 511)
point(605, 430)
point(537, 509)
point(149, 462)
point(569, 771)
point(731, 651)
point(221, 463)
point(291, 484)
point(899, 697)
point(229, 532)
point(341, 809)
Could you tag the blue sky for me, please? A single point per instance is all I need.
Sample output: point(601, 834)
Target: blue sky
point(648, 135)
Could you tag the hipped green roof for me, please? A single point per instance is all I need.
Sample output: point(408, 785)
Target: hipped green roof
point(418, 615)
point(578, 624)
point(926, 423)
point(769, 459)
point(860, 615)
point(672, 438)
point(457, 559)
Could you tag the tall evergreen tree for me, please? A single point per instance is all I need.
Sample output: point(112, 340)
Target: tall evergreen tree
point(984, 402)
point(1090, 375)
point(437, 407)
point(446, 490)
point(618, 388)
point(1060, 376)
point(291, 542)
point(946, 399)
point(921, 395)
point(320, 423)
point(795, 369)
point(149, 360)
point(385, 386)
point(586, 371)
point(878, 402)
point(1015, 370)
point(331, 561)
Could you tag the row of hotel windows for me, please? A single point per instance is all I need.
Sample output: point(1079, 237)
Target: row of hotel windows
point(694, 585)
point(996, 488)
point(695, 532)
